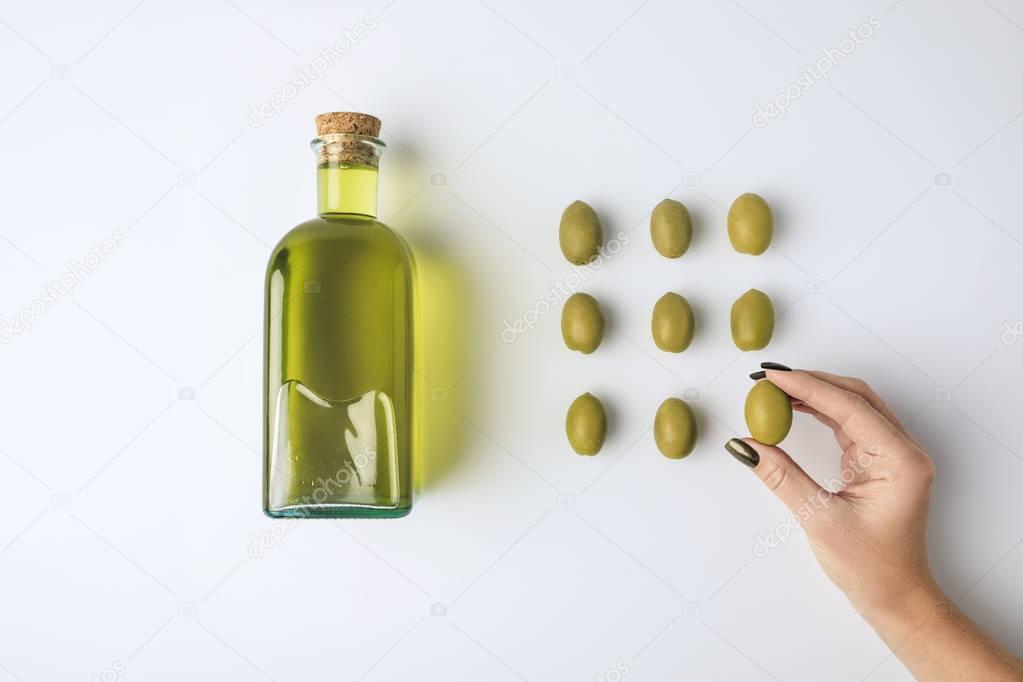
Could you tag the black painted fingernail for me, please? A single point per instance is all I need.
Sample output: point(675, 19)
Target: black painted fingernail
point(775, 365)
point(758, 375)
point(743, 452)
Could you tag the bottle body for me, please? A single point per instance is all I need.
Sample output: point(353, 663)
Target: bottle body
point(339, 437)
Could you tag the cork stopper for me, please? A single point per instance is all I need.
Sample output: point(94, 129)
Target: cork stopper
point(347, 138)
point(347, 123)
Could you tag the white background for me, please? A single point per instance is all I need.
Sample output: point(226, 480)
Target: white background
point(132, 545)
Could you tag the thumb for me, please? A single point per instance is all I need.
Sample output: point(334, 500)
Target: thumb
point(775, 468)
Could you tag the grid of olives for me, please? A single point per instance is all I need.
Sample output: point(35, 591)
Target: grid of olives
point(750, 229)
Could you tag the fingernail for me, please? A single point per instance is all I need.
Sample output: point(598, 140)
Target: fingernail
point(758, 375)
point(743, 452)
point(775, 365)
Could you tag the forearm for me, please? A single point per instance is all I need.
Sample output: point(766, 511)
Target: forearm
point(936, 641)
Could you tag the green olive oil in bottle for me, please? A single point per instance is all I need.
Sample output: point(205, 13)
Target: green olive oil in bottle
point(339, 438)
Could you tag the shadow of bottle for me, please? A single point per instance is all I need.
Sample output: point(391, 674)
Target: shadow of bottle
point(446, 333)
point(445, 342)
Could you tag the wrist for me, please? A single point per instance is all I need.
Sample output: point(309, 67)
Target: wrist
point(906, 610)
point(937, 641)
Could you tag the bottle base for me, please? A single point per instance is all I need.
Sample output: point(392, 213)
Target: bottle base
point(336, 511)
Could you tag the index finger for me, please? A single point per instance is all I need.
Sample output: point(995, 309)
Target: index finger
point(854, 385)
point(867, 427)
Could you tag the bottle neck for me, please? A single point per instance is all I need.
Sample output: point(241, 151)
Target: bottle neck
point(346, 190)
point(347, 168)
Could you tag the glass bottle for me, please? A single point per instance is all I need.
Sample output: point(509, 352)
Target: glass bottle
point(339, 438)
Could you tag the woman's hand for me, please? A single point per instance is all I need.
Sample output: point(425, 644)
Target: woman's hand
point(870, 536)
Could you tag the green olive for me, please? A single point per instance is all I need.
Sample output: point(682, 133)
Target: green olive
point(580, 233)
point(586, 425)
point(671, 228)
point(752, 320)
point(582, 323)
point(768, 413)
point(750, 224)
point(675, 428)
point(672, 324)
